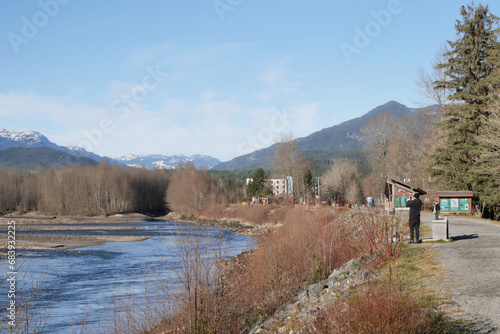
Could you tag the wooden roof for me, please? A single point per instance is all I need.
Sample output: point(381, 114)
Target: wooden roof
point(407, 186)
point(454, 194)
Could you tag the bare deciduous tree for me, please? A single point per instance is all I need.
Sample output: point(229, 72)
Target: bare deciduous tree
point(379, 137)
point(190, 190)
point(426, 83)
point(288, 160)
point(87, 190)
point(343, 183)
point(396, 148)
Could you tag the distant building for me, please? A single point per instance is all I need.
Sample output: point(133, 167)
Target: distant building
point(278, 186)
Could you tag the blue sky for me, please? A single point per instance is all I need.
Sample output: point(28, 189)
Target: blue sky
point(221, 77)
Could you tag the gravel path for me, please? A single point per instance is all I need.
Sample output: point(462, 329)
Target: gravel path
point(472, 264)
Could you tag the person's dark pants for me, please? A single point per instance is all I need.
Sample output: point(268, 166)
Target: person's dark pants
point(414, 230)
point(436, 217)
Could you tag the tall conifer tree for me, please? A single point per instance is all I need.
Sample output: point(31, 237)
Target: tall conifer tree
point(471, 70)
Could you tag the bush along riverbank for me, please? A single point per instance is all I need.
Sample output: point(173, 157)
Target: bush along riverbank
point(315, 271)
point(360, 297)
point(242, 219)
point(300, 278)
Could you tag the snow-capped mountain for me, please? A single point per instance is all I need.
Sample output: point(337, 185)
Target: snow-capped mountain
point(24, 139)
point(32, 139)
point(81, 152)
point(153, 161)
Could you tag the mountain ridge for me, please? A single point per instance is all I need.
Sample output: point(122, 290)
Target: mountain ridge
point(323, 144)
point(33, 139)
point(345, 136)
point(32, 157)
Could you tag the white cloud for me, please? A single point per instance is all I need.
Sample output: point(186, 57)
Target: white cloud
point(29, 107)
point(209, 95)
point(265, 96)
point(213, 127)
point(306, 119)
point(148, 55)
point(278, 79)
point(274, 75)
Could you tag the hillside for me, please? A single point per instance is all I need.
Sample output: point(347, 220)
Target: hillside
point(33, 139)
point(347, 136)
point(324, 145)
point(30, 158)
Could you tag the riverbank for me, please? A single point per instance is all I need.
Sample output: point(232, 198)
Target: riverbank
point(62, 242)
point(282, 253)
point(34, 221)
point(234, 224)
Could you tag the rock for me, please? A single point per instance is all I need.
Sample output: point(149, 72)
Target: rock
point(293, 317)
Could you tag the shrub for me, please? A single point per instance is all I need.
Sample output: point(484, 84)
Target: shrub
point(381, 309)
point(306, 248)
point(257, 214)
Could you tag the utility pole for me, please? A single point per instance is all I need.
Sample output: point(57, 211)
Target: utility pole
point(319, 193)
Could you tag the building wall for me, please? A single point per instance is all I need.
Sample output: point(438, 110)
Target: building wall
point(278, 186)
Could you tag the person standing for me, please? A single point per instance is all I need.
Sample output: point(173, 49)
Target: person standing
point(415, 206)
point(436, 210)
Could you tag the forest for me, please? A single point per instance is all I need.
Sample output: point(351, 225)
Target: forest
point(83, 190)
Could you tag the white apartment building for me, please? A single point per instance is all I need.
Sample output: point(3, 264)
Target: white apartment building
point(278, 186)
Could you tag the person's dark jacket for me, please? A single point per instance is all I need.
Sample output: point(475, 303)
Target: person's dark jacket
point(415, 206)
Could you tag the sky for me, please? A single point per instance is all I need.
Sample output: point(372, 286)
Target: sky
point(214, 77)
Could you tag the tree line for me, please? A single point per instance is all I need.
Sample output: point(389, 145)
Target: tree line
point(83, 190)
point(107, 190)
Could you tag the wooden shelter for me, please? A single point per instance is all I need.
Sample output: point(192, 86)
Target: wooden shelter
point(398, 193)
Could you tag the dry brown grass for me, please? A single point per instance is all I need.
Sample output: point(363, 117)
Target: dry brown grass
point(308, 246)
point(256, 214)
point(381, 309)
point(407, 291)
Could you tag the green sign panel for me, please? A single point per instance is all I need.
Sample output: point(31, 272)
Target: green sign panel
point(455, 204)
point(400, 201)
point(445, 204)
point(465, 204)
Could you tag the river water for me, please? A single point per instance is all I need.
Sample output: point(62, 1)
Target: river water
point(83, 285)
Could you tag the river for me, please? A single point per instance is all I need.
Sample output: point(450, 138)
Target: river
point(83, 285)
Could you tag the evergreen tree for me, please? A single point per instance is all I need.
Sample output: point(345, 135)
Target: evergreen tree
point(257, 184)
point(470, 69)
